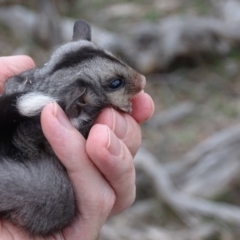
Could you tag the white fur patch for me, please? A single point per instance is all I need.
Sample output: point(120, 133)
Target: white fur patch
point(32, 104)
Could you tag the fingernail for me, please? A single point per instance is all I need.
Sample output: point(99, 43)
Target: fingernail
point(120, 126)
point(114, 145)
point(61, 116)
point(152, 107)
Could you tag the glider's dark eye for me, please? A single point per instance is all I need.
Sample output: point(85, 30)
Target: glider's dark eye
point(116, 84)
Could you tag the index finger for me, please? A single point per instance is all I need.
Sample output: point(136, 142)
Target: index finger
point(142, 107)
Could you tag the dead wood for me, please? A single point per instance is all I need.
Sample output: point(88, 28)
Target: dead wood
point(208, 169)
point(148, 47)
point(171, 115)
point(180, 202)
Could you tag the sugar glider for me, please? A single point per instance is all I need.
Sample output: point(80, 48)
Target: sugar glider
point(35, 191)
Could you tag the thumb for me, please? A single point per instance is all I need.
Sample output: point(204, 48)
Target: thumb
point(94, 197)
point(66, 141)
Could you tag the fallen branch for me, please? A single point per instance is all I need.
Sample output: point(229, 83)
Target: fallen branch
point(209, 167)
point(181, 203)
point(148, 47)
point(171, 115)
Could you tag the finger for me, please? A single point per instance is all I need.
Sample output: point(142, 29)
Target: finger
point(115, 162)
point(9, 231)
point(143, 107)
point(56, 127)
point(124, 126)
point(14, 65)
point(94, 196)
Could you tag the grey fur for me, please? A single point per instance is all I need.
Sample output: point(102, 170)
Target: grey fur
point(35, 191)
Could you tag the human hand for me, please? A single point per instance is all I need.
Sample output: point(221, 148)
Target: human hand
point(100, 168)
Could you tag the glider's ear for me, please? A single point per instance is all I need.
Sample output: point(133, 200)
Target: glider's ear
point(81, 31)
point(76, 102)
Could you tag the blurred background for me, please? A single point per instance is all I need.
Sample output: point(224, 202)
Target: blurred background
point(188, 184)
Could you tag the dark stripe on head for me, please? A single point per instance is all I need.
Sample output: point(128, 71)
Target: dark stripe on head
point(83, 54)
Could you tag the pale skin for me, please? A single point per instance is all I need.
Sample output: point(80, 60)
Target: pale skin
point(100, 168)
